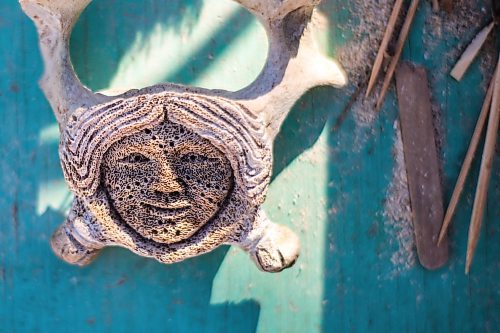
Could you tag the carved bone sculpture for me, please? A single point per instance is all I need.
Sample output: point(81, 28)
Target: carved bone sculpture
point(169, 171)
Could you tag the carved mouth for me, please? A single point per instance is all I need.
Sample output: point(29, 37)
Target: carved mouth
point(167, 212)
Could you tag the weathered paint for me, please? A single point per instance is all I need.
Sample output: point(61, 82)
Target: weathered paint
point(330, 185)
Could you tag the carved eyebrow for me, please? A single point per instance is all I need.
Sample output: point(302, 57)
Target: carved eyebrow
point(134, 158)
point(193, 157)
point(124, 148)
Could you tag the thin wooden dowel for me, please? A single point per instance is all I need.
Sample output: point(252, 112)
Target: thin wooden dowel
point(484, 173)
point(399, 49)
point(435, 6)
point(377, 65)
point(464, 171)
point(471, 52)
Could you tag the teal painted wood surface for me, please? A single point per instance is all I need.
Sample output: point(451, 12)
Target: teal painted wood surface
point(330, 185)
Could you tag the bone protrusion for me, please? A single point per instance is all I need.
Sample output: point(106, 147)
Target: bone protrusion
point(294, 65)
point(54, 20)
point(271, 246)
point(69, 249)
point(272, 10)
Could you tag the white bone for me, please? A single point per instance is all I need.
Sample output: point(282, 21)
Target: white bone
point(55, 20)
point(293, 66)
point(292, 54)
point(272, 10)
point(251, 119)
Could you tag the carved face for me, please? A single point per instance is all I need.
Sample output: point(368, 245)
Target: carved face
point(166, 182)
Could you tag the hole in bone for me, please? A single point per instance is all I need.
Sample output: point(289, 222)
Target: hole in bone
point(134, 63)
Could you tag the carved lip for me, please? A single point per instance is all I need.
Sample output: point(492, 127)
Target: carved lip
point(169, 211)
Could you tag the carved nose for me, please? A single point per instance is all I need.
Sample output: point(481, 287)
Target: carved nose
point(167, 182)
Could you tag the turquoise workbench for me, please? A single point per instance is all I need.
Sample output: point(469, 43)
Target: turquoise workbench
point(337, 183)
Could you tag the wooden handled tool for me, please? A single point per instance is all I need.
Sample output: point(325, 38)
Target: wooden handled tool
point(422, 166)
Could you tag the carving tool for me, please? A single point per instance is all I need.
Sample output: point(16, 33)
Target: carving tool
point(490, 114)
point(377, 65)
point(422, 166)
point(485, 172)
point(464, 171)
point(399, 49)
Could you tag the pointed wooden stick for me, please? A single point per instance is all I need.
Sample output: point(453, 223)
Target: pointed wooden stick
point(399, 49)
point(471, 52)
point(377, 65)
point(484, 173)
point(435, 5)
point(464, 171)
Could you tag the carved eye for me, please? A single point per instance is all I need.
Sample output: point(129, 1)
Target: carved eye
point(194, 158)
point(135, 158)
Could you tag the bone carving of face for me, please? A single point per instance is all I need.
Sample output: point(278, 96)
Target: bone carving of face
point(169, 171)
point(166, 182)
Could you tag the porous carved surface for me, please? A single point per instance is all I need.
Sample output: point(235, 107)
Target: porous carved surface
point(166, 175)
point(228, 125)
point(166, 182)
